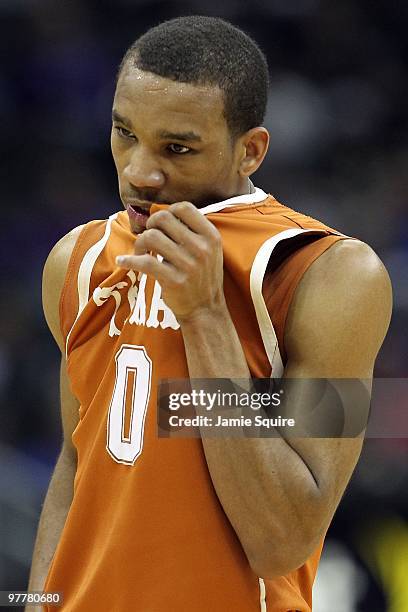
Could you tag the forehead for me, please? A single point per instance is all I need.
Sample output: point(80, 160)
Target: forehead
point(147, 97)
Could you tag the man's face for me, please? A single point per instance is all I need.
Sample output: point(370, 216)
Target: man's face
point(170, 142)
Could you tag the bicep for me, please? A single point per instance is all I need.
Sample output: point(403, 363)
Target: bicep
point(335, 327)
point(54, 274)
point(339, 314)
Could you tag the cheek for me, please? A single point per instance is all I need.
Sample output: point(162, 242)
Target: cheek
point(116, 149)
point(117, 156)
point(222, 166)
point(218, 163)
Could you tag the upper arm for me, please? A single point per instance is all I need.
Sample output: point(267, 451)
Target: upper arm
point(54, 274)
point(336, 324)
point(339, 314)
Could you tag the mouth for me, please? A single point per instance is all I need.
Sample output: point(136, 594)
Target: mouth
point(141, 208)
point(138, 213)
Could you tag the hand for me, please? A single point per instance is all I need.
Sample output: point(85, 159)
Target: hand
point(191, 273)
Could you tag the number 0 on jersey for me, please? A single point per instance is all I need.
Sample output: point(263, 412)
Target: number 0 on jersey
point(131, 392)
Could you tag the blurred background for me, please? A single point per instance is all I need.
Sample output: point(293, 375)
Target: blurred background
point(338, 118)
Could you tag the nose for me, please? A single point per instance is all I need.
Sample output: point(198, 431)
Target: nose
point(143, 170)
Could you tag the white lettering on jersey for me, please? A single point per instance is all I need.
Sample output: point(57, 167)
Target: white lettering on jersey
point(169, 320)
point(139, 312)
point(132, 293)
point(102, 294)
point(136, 297)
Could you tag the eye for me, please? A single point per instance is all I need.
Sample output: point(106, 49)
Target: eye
point(123, 132)
point(178, 149)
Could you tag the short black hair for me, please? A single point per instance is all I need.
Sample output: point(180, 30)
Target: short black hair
point(208, 51)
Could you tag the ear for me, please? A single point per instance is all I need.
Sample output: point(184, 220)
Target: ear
point(254, 145)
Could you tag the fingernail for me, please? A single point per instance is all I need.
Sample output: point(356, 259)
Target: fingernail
point(120, 259)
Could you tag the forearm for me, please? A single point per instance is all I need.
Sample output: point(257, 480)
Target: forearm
point(52, 520)
point(262, 483)
point(213, 349)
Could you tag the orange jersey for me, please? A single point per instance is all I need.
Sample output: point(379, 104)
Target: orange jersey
point(146, 531)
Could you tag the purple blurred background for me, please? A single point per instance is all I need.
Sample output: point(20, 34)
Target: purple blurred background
point(338, 118)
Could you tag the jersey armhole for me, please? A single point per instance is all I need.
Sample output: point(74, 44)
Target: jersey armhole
point(281, 283)
point(69, 300)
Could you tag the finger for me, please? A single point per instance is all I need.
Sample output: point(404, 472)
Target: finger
point(148, 264)
point(170, 225)
point(177, 231)
point(155, 240)
point(196, 221)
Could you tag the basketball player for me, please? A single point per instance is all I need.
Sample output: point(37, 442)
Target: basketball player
point(202, 276)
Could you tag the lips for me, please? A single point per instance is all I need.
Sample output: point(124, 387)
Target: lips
point(142, 208)
point(137, 211)
point(138, 215)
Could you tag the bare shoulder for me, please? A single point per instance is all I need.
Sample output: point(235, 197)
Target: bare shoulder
point(349, 267)
point(348, 257)
point(342, 305)
point(54, 273)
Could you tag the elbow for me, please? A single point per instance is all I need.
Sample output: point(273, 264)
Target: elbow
point(277, 548)
point(280, 559)
point(273, 566)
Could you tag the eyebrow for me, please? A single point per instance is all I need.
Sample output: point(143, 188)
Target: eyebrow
point(185, 136)
point(165, 135)
point(117, 117)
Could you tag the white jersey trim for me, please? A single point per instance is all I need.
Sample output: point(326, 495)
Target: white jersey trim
point(248, 198)
point(262, 595)
point(90, 257)
point(258, 270)
point(85, 272)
